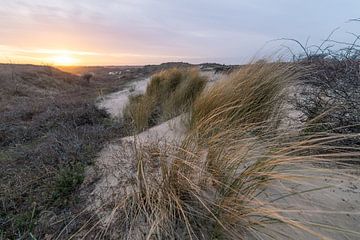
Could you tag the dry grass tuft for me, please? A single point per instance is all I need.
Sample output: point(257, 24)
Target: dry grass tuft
point(169, 93)
point(250, 95)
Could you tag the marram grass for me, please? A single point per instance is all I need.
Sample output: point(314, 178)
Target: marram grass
point(169, 93)
point(237, 175)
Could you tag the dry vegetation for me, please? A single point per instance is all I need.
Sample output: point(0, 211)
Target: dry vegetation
point(330, 95)
point(50, 130)
point(253, 95)
point(237, 175)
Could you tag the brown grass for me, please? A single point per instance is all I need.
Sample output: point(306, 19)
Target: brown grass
point(50, 129)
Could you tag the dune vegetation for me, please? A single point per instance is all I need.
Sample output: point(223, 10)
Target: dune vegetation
point(169, 93)
point(238, 173)
point(253, 95)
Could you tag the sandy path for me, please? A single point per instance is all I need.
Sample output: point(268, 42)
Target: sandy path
point(114, 103)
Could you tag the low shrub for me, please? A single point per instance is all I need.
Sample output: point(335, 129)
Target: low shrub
point(329, 97)
point(47, 138)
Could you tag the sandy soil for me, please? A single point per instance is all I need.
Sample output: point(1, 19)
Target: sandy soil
point(336, 206)
point(117, 162)
point(212, 76)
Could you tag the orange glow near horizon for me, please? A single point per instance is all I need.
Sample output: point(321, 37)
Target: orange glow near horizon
point(39, 56)
point(64, 60)
point(63, 56)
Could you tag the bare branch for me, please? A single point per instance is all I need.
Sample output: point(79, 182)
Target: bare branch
point(327, 39)
point(289, 49)
point(354, 20)
point(299, 43)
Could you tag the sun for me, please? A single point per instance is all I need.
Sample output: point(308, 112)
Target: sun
point(63, 60)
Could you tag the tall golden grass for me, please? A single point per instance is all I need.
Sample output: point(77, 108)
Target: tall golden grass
point(239, 190)
point(169, 93)
point(252, 95)
point(236, 175)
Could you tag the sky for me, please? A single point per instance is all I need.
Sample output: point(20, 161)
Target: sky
point(137, 32)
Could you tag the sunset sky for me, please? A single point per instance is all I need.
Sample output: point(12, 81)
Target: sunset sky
point(114, 32)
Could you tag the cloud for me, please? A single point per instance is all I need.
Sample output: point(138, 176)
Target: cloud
point(183, 29)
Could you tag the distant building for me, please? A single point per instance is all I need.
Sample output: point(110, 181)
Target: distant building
point(115, 73)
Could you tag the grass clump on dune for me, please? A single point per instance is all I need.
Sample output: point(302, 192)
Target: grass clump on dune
point(169, 93)
point(248, 192)
point(250, 95)
point(139, 112)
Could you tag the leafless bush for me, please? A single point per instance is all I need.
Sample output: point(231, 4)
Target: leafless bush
point(87, 77)
point(333, 90)
point(329, 95)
